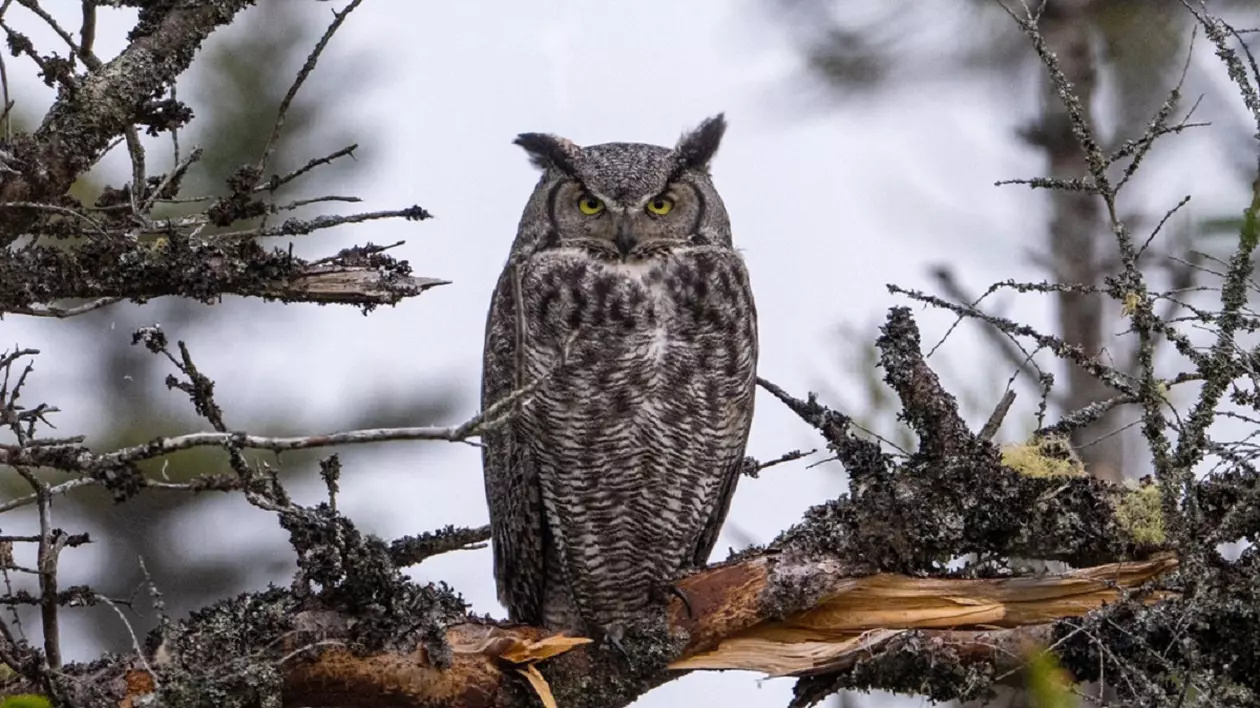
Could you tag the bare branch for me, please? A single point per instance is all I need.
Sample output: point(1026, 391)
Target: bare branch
point(994, 423)
point(753, 467)
point(276, 182)
point(76, 133)
point(64, 312)
point(411, 550)
point(360, 276)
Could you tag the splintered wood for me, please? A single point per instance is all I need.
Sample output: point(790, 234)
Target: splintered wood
point(865, 614)
point(1002, 620)
point(526, 653)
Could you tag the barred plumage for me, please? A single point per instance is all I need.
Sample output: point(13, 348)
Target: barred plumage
point(613, 477)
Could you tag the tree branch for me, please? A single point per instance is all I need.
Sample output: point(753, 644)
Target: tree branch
point(120, 269)
point(838, 620)
point(82, 123)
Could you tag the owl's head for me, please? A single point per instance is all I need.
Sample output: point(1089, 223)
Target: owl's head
point(628, 201)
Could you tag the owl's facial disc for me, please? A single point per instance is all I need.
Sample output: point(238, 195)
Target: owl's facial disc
point(642, 227)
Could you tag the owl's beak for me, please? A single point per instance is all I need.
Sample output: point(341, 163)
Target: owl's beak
point(625, 240)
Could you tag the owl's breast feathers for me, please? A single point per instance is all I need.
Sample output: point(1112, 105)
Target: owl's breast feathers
point(629, 454)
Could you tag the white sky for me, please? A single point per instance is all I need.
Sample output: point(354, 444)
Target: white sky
point(829, 203)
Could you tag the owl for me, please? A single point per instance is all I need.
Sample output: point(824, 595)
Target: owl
point(626, 315)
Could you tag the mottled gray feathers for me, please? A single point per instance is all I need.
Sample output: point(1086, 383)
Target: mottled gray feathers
point(696, 149)
point(548, 151)
point(624, 171)
point(613, 478)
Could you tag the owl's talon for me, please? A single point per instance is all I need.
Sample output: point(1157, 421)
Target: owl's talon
point(612, 638)
point(686, 601)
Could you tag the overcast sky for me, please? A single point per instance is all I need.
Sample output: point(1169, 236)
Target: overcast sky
point(828, 202)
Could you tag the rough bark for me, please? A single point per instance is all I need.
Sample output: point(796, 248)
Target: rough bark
point(98, 107)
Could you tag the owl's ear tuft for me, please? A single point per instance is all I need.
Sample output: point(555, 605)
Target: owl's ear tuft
point(696, 148)
point(548, 151)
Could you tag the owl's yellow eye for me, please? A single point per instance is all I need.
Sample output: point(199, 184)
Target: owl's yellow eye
point(589, 205)
point(660, 206)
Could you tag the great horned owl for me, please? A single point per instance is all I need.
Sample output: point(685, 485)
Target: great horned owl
point(624, 295)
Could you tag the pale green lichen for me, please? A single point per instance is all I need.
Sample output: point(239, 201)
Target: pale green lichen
point(1050, 456)
point(1139, 514)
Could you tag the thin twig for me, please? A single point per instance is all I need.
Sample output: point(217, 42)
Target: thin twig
point(54, 490)
point(173, 176)
point(47, 562)
point(338, 18)
point(1004, 342)
point(138, 180)
point(174, 131)
point(89, 60)
point(301, 227)
point(26, 48)
point(753, 467)
point(276, 182)
point(87, 30)
point(96, 225)
point(1116, 379)
point(1167, 215)
point(135, 642)
point(994, 422)
point(64, 312)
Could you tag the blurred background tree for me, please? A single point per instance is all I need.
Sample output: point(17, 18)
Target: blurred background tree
point(1123, 56)
point(235, 90)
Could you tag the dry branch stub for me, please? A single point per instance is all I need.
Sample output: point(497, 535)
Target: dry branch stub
point(863, 612)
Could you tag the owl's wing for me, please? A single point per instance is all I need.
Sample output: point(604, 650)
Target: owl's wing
point(709, 534)
point(517, 524)
point(740, 406)
point(730, 468)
